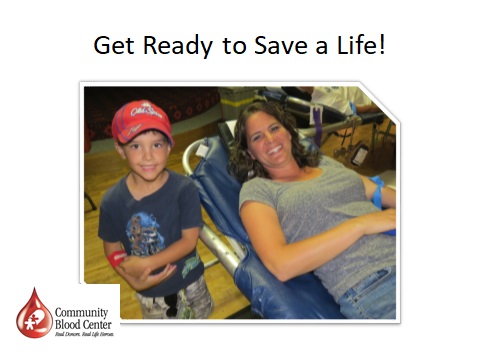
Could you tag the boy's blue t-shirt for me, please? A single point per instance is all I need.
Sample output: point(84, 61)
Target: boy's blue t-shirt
point(148, 226)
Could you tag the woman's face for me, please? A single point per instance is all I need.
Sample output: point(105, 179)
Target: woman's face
point(268, 141)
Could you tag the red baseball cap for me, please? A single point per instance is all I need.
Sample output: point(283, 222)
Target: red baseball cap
point(137, 116)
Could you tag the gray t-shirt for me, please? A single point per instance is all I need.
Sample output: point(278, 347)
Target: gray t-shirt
point(307, 208)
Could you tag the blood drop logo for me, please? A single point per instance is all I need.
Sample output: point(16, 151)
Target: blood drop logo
point(34, 320)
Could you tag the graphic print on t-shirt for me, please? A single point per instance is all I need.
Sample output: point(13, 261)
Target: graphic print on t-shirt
point(144, 236)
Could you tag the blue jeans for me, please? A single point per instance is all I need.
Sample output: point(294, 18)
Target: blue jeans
point(372, 298)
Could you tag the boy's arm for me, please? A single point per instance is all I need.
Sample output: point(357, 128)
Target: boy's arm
point(143, 280)
point(135, 266)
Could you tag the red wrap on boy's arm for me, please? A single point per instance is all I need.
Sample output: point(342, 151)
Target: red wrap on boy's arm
point(116, 257)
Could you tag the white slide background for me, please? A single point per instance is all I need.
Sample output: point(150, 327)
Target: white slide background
point(427, 78)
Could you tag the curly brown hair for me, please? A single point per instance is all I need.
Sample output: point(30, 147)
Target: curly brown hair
point(242, 166)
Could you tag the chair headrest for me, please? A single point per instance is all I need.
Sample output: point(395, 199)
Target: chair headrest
point(219, 191)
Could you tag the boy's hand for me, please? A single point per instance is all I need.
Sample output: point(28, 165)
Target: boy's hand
point(146, 280)
point(134, 266)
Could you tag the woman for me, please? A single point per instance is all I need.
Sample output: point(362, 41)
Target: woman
point(304, 212)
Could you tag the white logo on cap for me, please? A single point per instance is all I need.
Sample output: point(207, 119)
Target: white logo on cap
point(147, 109)
point(134, 129)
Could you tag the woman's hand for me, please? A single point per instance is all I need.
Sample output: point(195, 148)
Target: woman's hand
point(377, 222)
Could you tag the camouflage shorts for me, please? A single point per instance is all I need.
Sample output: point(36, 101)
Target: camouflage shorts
point(193, 302)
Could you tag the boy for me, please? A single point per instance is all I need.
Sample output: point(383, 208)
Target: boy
point(153, 215)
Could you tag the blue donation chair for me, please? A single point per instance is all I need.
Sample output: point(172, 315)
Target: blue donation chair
point(303, 297)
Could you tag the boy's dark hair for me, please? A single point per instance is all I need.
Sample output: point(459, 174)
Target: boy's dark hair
point(154, 131)
point(242, 166)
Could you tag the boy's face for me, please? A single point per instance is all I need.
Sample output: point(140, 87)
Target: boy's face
point(147, 155)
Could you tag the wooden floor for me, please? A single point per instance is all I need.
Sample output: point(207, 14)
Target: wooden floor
point(104, 169)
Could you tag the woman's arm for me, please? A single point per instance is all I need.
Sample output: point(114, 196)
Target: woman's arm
point(136, 266)
point(144, 280)
point(361, 109)
point(389, 195)
point(286, 261)
point(307, 89)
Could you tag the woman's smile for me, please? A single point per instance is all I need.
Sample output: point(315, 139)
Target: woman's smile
point(275, 150)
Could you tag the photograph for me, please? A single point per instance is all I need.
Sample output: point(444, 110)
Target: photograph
point(252, 202)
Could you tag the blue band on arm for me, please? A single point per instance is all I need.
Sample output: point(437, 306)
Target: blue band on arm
point(353, 107)
point(377, 199)
point(377, 196)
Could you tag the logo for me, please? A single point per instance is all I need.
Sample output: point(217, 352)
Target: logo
point(34, 320)
point(134, 129)
point(147, 109)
